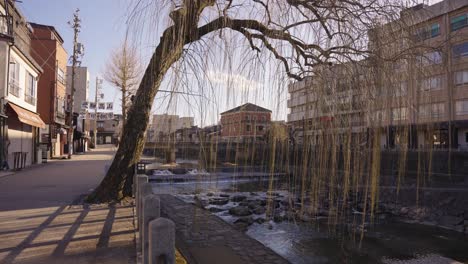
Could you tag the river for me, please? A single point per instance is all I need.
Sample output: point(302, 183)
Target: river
point(317, 242)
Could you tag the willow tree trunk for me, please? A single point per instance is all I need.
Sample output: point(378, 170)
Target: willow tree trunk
point(117, 183)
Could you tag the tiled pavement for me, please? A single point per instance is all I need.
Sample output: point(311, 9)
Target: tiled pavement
point(38, 224)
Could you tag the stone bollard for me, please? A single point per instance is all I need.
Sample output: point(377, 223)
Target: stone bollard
point(145, 190)
point(161, 241)
point(151, 210)
point(140, 180)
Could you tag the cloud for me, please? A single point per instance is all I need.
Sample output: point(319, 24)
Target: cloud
point(235, 81)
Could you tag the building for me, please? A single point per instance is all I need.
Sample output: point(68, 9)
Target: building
point(108, 131)
point(81, 86)
point(48, 51)
point(413, 94)
point(335, 100)
point(244, 123)
point(81, 137)
point(19, 73)
point(164, 125)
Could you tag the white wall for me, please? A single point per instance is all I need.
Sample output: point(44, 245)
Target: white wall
point(24, 67)
point(81, 86)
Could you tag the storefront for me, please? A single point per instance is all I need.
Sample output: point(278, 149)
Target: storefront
point(22, 137)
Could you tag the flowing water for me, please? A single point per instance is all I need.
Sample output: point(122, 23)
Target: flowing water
point(318, 242)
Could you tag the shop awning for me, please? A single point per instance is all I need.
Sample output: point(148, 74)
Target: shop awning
point(28, 117)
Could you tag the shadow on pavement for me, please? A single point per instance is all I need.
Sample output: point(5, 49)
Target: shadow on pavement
point(68, 234)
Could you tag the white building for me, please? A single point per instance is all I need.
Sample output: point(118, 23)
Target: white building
point(18, 88)
point(81, 86)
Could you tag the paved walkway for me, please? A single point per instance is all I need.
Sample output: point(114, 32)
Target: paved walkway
point(41, 221)
point(206, 239)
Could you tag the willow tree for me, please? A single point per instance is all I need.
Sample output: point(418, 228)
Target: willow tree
point(298, 34)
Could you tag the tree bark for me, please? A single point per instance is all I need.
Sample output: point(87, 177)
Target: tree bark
point(117, 184)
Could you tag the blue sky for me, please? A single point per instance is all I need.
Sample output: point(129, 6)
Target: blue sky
point(103, 28)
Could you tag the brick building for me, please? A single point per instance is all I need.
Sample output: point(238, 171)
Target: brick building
point(247, 122)
point(48, 51)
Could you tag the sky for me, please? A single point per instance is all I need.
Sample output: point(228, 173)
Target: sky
point(103, 30)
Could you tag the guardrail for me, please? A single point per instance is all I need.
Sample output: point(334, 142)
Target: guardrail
point(156, 234)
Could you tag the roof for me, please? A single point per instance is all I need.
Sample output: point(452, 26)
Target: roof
point(248, 107)
point(51, 28)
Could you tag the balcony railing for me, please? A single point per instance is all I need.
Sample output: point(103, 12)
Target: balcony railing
point(14, 89)
point(30, 99)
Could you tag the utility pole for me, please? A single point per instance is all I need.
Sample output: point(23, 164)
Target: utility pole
point(77, 50)
point(98, 87)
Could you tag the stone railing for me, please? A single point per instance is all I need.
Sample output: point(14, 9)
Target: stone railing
point(156, 234)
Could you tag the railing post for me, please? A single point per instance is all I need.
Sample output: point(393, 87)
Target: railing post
point(140, 180)
point(151, 211)
point(145, 190)
point(161, 241)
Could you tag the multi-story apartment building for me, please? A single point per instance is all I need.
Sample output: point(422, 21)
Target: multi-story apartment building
point(48, 51)
point(19, 73)
point(333, 100)
point(416, 85)
point(247, 122)
point(164, 125)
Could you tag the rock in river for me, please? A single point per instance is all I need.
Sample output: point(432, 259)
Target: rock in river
point(218, 201)
point(240, 211)
point(238, 198)
point(259, 210)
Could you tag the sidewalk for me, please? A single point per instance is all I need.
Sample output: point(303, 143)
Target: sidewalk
point(41, 220)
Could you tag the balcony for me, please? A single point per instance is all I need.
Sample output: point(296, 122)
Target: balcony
point(30, 99)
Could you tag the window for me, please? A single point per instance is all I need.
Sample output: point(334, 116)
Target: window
point(466, 137)
point(247, 128)
point(100, 124)
point(461, 78)
point(459, 22)
point(60, 107)
point(427, 32)
point(14, 87)
point(430, 58)
point(247, 118)
point(379, 115)
point(461, 107)
point(400, 113)
point(61, 76)
point(402, 89)
point(4, 21)
point(431, 84)
point(260, 128)
point(30, 92)
point(460, 50)
point(432, 110)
